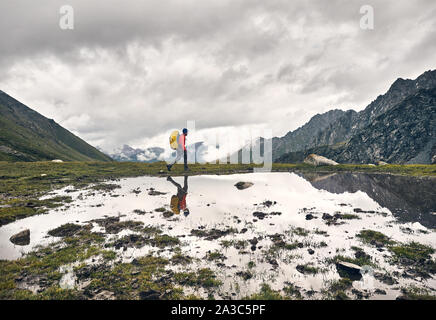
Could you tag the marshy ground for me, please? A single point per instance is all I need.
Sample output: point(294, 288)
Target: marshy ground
point(95, 234)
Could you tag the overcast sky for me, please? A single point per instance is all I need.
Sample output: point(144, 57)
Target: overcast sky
point(131, 71)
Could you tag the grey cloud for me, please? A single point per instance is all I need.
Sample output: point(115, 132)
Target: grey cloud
point(136, 69)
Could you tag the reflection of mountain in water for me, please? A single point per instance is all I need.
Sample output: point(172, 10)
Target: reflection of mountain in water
point(410, 199)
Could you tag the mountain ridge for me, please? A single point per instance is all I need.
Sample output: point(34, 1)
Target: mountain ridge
point(26, 135)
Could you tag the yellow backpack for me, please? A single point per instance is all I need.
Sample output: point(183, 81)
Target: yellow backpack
point(174, 140)
point(175, 204)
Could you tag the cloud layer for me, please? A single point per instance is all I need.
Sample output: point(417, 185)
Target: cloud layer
point(131, 71)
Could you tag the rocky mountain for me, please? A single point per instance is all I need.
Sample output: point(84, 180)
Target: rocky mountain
point(345, 127)
point(404, 134)
point(300, 138)
point(397, 127)
point(26, 135)
point(127, 153)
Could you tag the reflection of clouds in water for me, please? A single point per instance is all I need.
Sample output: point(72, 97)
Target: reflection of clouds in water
point(215, 202)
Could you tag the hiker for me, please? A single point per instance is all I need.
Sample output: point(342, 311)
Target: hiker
point(178, 202)
point(181, 150)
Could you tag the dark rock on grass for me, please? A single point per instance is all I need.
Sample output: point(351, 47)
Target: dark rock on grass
point(272, 262)
point(349, 270)
point(21, 238)
point(380, 291)
point(167, 214)
point(66, 230)
point(306, 269)
point(153, 192)
point(181, 259)
point(212, 234)
point(359, 294)
point(113, 225)
point(136, 191)
point(138, 241)
point(327, 216)
point(131, 240)
point(416, 257)
point(241, 185)
point(87, 271)
point(139, 211)
point(385, 278)
point(259, 215)
point(268, 203)
point(150, 295)
point(246, 275)
point(262, 215)
point(106, 187)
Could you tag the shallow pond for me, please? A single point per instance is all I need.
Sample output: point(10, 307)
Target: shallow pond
point(319, 214)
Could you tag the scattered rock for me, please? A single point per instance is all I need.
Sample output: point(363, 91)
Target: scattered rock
point(21, 238)
point(317, 160)
point(310, 216)
point(57, 161)
point(149, 295)
point(246, 275)
point(241, 185)
point(311, 251)
point(260, 215)
point(327, 216)
point(382, 163)
point(350, 269)
point(167, 214)
point(153, 192)
point(211, 234)
point(380, 291)
point(268, 203)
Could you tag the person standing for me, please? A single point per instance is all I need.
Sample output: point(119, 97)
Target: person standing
point(181, 151)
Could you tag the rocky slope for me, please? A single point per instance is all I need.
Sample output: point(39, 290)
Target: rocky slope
point(398, 127)
point(26, 135)
point(404, 134)
point(300, 138)
point(348, 125)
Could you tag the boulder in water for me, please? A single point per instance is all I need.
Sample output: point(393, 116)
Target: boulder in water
point(22, 238)
point(241, 185)
point(317, 160)
point(381, 163)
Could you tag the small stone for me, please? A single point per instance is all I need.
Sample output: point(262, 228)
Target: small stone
point(22, 238)
point(241, 185)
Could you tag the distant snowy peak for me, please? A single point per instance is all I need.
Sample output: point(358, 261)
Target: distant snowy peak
point(127, 153)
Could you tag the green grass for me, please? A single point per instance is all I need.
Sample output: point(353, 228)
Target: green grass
point(372, 237)
point(265, 293)
point(205, 278)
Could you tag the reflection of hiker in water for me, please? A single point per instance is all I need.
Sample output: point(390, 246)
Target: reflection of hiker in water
point(178, 202)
